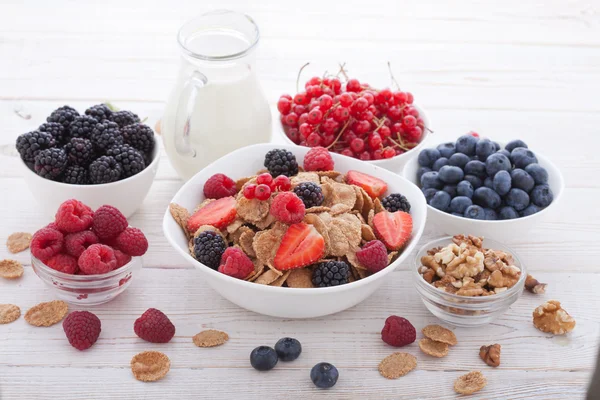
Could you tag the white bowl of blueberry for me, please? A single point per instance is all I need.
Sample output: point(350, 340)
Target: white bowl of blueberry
point(478, 186)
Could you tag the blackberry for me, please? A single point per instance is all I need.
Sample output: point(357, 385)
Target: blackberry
point(50, 163)
point(310, 193)
point(63, 115)
point(76, 175)
point(57, 130)
point(330, 273)
point(130, 159)
point(209, 246)
point(82, 126)
point(105, 135)
point(31, 143)
point(99, 111)
point(139, 136)
point(80, 151)
point(124, 118)
point(396, 202)
point(104, 170)
point(281, 162)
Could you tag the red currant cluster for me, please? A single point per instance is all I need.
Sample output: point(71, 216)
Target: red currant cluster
point(265, 185)
point(354, 119)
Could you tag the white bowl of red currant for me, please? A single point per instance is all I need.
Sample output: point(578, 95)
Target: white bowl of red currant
point(382, 127)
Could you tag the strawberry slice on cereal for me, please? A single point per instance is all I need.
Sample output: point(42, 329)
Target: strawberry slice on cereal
point(374, 187)
point(300, 246)
point(218, 213)
point(393, 229)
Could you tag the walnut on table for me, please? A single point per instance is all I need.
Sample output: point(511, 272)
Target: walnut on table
point(534, 286)
point(552, 318)
point(491, 354)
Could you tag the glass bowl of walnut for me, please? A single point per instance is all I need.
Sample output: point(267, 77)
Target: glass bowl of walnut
point(466, 282)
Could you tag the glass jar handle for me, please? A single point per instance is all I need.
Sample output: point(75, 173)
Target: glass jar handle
point(184, 113)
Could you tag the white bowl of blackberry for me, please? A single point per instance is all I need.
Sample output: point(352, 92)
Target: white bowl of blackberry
point(102, 156)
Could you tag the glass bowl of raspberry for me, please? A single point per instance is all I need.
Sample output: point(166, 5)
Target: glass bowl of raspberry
point(467, 280)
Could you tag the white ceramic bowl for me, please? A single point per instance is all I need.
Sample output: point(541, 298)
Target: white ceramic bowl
point(127, 195)
point(502, 230)
point(394, 164)
point(282, 301)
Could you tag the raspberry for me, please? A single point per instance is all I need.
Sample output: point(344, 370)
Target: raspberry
point(82, 329)
point(288, 208)
point(154, 326)
point(318, 159)
point(63, 263)
point(218, 186)
point(97, 259)
point(46, 243)
point(122, 258)
point(73, 216)
point(398, 331)
point(373, 256)
point(236, 263)
point(108, 222)
point(132, 241)
point(76, 243)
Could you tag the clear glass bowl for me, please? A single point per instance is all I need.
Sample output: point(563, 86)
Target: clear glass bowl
point(87, 289)
point(463, 310)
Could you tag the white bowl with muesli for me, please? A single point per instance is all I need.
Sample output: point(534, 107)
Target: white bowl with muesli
point(303, 246)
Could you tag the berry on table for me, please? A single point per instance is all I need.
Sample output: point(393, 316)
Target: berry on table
point(288, 208)
point(324, 375)
point(76, 243)
point(132, 242)
point(219, 186)
point(310, 193)
point(262, 192)
point(263, 358)
point(73, 216)
point(330, 273)
point(97, 259)
point(82, 329)
point(235, 263)
point(318, 159)
point(288, 349)
point(209, 248)
point(373, 255)
point(396, 202)
point(300, 246)
point(50, 163)
point(154, 326)
point(46, 243)
point(218, 213)
point(105, 170)
point(398, 331)
point(31, 143)
point(63, 263)
point(108, 222)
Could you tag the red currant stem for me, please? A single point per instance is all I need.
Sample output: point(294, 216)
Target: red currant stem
point(394, 81)
point(325, 115)
point(380, 123)
point(340, 134)
point(430, 131)
point(298, 78)
point(342, 71)
point(401, 144)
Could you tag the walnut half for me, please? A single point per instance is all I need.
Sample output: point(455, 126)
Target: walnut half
point(534, 286)
point(491, 354)
point(551, 317)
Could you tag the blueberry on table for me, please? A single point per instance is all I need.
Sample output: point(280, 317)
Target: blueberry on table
point(288, 349)
point(497, 162)
point(502, 182)
point(450, 189)
point(517, 198)
point(429, 193)
point(486, 197)
point(477, 168)
point(513, 144)
point(451, 174)
point(531, 209)
point(421, 171)
point(431, 180)
point(439, 163)
point(446, 149)
point(324, 375)
point(464, 188)
point(466, 144)
point(488, 182)
point(508, 212)
point(522, 157)
point(490, 215)
point(474, 181)
point(484, 148)
point(542, 196)
point(427, 157)
point(522, 180)
point(263, 358)
point(441, 200)
point(475, 212)
point(459, 204)
point(458, 160)
point(538, 173)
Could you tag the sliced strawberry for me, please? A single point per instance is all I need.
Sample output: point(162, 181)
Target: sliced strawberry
point(393, 229)
point(374, 187)
point(218, 213)
point(301, 245)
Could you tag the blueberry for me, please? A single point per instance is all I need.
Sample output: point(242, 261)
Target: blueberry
point(513, 144)
point(488, 182)
point(466, 144)
point(288, 349)
point(439, 163)
point(459, 204)
point(431, 180)
point(502, 182)
point(538, 173)
point(441, 200)
point(542, 196)
point(508, 212)
point(517, 199)
point(475, 212)
point(458, 160)
point(263, 358)
point(477, 168)
point(474, 158)
point(497, 162)
point(451, 174)
point(505, 152)
point(324, 375)
point(484, 148)
point(450, 189)
point(475, 181)
point(490, 215)
point(427, 157)
point(464, 188)
point(421, 171)
point(522, 180)
point(531, 209)
point(446, 149)
point(486, 197)
point(429, 193)
point(496, 146)
point(522, 157)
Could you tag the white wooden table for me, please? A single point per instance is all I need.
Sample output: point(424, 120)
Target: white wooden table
point(518, 69)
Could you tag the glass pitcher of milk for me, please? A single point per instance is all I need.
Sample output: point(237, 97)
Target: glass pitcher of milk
point(217, 104)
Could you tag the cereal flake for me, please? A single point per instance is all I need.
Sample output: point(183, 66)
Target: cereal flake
point(18, 241)
point(11, 269)
point(396, 365)
point(150, 366)
point(47, 314)
point(9, 313)
point(210, 338)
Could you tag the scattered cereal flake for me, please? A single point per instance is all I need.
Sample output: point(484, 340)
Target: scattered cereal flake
point(9, 313)
point(551, 317)
point(279, 281)
point(470, 383)
point(305, 177)
point(265, 222)
point(150, 366)
point(47, 314)
point(339, 245)
point(433, 348)
point(252, 210)
point(321, 227)
point(341, 194)
point(18, 241)
point(267, 277)
point(440, 334)
point(327, 189)
point(367, 232)
point(351, 227)
point(392, 256)
point(235, 236)
point(181, 215)
point(377, 205)
point(239, 184)
point(11, 269)
point(235, 225)
point(204, 203)
point(353, 260)
point(339, 208)
point(317, 209)
point(210, 338)
point(246, 240)
point(396, 365)
point(300, 278)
